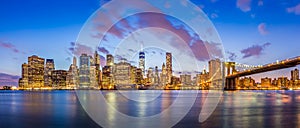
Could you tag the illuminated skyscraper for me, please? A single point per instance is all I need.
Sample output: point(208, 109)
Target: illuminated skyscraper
point(109, 60)
point(107, 79)
point(215, 73)
point(150, 76)
point(84, 71)
point(97, 59)
point(266, 82)
point(186, 79)
point(163, 75)
point(97, 68)
point(23, 82)
point(36, 71)
point(59, 78)
point(139, 76)
point(142, 61)
point(72, 75)
point(169, 66)
point(49, 67)
point(156, 76)
point(121, 73)
point(295, 74)
point(133, 74)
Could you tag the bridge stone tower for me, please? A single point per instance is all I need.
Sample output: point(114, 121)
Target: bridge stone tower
point(230, 83)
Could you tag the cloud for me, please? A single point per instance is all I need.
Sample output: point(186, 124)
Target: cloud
point(244, 5)
point(295, 9)
point(255, 50)
point(77, 49)
point(232, 56)
point(103, 50)
point(260, 3)
point(9, 46)
point(214, 15)
point(262, 28)
point(7, 79)
point(201, 49)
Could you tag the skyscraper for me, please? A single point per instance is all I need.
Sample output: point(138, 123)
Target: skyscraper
point(109, 60)
point(59, 78)
point(186, 79)
point(295, 74)
point(49, 67)
point(23, 82)
point(36, 71)
point(122, 73)
point(163, 75)
point(84, 71)
point(72, 75)
point(156, 76)
point(215, 73)
point(150, 76)
point(169, 66)
point(98, 68)
point(142, 61)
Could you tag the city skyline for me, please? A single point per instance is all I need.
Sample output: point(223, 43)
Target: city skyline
point(265, 40)
point(38, 73)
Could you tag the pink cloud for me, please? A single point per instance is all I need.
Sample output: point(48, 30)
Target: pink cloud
point(103, 50)
point(200, 48)
point(244, 5)
point(295, 9)
point(9, 46)
point(80, 49)
point(262, 28)
point(255, 50)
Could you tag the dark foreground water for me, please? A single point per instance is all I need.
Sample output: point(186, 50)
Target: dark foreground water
point(54, 109)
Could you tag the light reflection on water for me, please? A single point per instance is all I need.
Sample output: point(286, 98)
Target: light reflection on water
point(236, 109)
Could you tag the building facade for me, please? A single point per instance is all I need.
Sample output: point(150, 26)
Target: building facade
point(49, 67)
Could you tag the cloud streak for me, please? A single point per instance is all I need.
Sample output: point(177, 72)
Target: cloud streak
point(9, 46)
point(231, 56)
point(255, 50)
point(295, 9)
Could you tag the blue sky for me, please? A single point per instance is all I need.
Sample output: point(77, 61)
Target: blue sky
point(252, 31)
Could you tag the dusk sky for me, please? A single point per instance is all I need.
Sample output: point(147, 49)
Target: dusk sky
point(254, 32)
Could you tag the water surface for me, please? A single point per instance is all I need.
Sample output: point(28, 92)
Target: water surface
point(54, 109)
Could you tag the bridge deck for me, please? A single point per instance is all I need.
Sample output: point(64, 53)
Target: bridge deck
point(270, 67)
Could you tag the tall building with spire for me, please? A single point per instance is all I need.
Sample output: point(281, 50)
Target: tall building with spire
point(72, 80)
point(169, 66)
point(142, 61)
